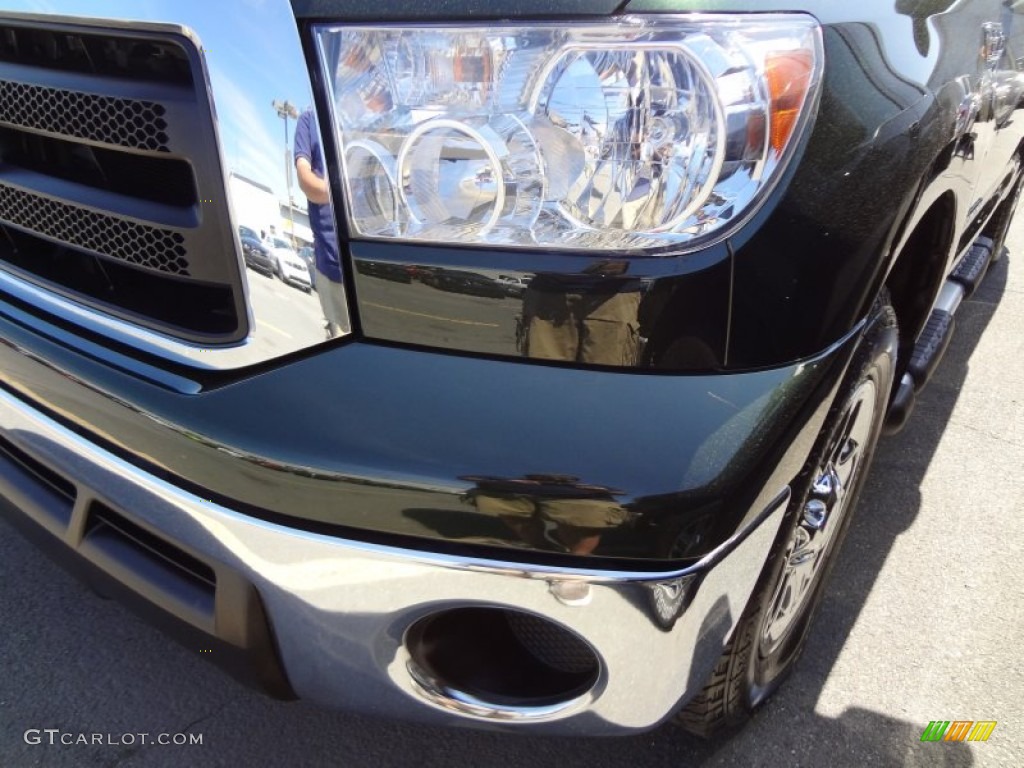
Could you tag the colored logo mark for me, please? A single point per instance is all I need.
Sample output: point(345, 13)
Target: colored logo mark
point(958, 730)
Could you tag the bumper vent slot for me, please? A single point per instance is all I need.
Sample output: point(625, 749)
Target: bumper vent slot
point(109, 163)
point(36, 486)
point(104, 522)
point(56, 483)
point(161, 571)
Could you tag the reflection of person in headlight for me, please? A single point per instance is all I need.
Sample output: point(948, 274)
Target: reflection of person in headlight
point(309, 167)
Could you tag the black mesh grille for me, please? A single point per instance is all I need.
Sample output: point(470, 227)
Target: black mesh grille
point(125, 122)
point(158, 249)
point(551, 644)
point(111, 183)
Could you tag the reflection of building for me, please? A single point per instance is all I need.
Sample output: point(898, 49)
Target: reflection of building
point(254, 204)
point(257, 207)
point(303, 233)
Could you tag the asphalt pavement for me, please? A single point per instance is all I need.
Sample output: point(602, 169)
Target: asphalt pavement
point(286, 318)
point(924, 621)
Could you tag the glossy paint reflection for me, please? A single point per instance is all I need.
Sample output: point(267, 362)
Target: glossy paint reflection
point(550, 511)
point(907, 98)
point(414, 458)
point(583, 311)
point(588, 318)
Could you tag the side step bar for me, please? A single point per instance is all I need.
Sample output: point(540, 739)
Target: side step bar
point(971, 269)
point(934, 338)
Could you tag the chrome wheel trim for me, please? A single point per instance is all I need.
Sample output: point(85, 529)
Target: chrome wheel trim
point(822, 516)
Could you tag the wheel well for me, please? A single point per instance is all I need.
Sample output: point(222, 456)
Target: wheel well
point(918, 271)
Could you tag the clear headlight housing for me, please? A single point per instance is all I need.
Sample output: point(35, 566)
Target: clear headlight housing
point(639, 133)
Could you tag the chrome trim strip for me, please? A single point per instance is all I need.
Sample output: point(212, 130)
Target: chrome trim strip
point(446, 697)
point(246, 57)
point(341, 609)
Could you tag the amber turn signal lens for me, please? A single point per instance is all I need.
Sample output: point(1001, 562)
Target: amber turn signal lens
point(789, 79)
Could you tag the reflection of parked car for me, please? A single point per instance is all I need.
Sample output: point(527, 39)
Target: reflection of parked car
point(425, 274)
point(290, 267)
point(514, 286)
point(307, 254)
point(257, 256)
point(398, 273)
point(469, 283)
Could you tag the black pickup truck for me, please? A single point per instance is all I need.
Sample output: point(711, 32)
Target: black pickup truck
point(613, 302)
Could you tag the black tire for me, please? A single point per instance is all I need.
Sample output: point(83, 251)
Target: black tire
point(771, 632)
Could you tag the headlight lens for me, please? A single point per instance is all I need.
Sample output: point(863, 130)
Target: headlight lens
point(642, 133)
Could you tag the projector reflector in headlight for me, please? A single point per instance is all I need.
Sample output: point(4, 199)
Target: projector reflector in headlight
point(639, 133)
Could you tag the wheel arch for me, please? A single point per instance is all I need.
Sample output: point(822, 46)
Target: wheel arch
point(919, 268)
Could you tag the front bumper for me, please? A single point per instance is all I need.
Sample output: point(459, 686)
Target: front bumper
point(340, 610)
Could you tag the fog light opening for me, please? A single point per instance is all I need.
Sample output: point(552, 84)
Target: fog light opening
point(483, 659)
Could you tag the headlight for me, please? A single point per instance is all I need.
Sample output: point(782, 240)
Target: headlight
point(638, 133)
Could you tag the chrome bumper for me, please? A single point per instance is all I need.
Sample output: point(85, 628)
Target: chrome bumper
point(340, 610)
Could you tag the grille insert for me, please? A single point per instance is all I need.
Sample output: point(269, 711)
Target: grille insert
point(151, 299)
point(125, 122)
point(145, 246)
point(74, 49)
point(157, 178)
point(111, 182)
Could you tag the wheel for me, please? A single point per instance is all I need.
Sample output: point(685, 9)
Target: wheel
point(773, 628)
